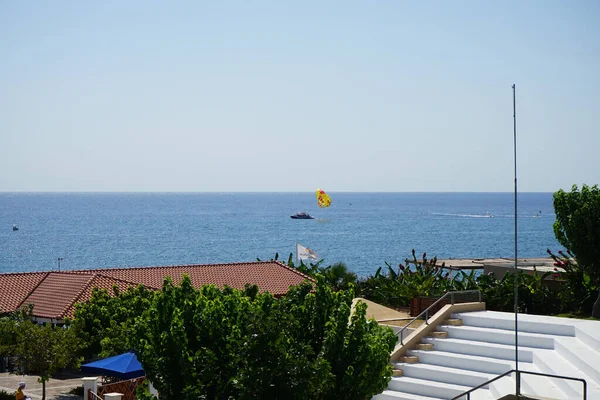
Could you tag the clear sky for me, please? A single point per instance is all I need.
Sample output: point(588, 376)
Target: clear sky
point(289, 96)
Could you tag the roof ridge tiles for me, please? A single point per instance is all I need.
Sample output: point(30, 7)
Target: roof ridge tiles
point(24, 273)
point(132, 283)
point(97, 273)
point(177, 266)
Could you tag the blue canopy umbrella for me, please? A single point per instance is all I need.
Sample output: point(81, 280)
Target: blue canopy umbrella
point(124, 366)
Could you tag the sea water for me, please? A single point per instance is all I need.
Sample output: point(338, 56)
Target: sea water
point(363, 230)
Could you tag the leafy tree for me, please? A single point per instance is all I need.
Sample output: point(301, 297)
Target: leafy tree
point(577, 227)
point(7, 335)
point(219, 344)
point(105, 321)
point(43, 349)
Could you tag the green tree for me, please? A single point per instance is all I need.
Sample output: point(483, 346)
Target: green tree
point(356, 349)
point(219, 344)
point(7, 335)
point(104, 322)
point(577, 227)
point(43, 349)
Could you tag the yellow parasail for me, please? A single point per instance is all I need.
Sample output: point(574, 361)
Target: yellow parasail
point(323, 198)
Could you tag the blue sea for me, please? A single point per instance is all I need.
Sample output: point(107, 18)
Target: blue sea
point(363, 230)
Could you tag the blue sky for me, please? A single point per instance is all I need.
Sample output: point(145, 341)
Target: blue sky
point(274, 96)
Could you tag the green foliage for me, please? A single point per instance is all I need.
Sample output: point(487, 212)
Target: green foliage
point(424, 278)
point(337, 276)
point(78, 391)
point(104, 322)
point(578, 289)
point(8, 335)
point(41, 349)
point(4, 395)
point(577, 227)
point(534, 297)
point(418, 278)
point(212, 343)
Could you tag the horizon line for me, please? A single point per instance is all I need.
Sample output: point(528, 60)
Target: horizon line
point(245, 192)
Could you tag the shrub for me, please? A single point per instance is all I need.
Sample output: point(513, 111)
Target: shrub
point(4, 395)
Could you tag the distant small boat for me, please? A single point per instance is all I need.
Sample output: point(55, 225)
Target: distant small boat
point(301, 215)
point(15, 228)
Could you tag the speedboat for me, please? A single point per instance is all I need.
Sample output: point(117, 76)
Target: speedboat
point(15, 228)
point(301, 215)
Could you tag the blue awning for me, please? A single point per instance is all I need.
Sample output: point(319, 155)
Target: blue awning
point(124, 366)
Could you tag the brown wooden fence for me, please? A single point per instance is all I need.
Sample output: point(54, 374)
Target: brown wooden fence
point(93, 396)
point(128, 388)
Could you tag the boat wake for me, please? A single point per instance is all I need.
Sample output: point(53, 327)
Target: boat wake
point(466, 215)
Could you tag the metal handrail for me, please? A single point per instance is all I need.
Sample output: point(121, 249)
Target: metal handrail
point(426, 311)
point(468, 392)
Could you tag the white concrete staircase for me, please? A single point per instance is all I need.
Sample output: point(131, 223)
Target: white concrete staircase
point(457, 357)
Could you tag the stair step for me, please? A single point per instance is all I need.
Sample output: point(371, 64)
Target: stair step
point(453, 322)
point(424, 346)
point(425, 387)
point(552, 363)
point(499, 336)
point(465, 362)
point(450, 375)
point(506, 321)
point(580, 356)
point(471, 347)
point(439, 334)
point(393, 395)
point(409, 359)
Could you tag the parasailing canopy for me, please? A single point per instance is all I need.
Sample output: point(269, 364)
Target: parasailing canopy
point(323, 199)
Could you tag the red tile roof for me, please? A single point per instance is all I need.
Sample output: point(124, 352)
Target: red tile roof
point(15, 287)
point(269, 276)
point(54, 294)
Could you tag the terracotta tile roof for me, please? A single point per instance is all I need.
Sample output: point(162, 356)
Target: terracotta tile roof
point(54, 294)
point(269, 276)
point(15, 287)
